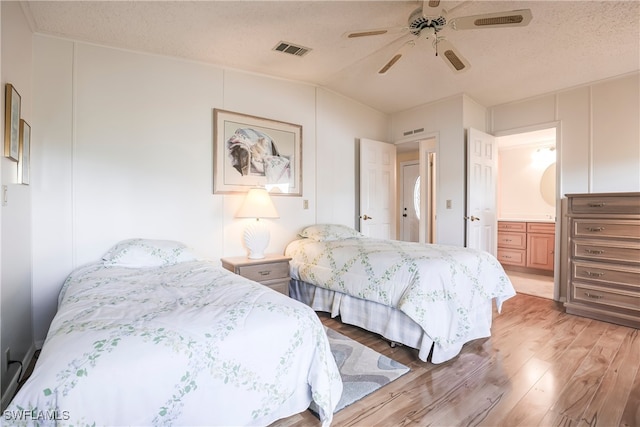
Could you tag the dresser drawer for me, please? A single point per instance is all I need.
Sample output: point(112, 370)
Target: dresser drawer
point(512, 226)
point(603, 273)
point(606, 250)
point(512, 256)
point(541, 227)
point(604, 296)
point(512, 240)
point(264, 272)
point(595, 204)
point(606, 228)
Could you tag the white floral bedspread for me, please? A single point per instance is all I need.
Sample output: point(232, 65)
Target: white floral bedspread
point(437, 286)
point(187, 344)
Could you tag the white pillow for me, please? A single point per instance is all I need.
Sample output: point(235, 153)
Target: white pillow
point(140, 253)
point(328, 232)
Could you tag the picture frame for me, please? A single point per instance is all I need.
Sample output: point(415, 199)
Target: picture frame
point(251, 151)
point(24, 165)
point(12, 123)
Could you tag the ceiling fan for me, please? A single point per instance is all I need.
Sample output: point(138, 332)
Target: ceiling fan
point(426, 23)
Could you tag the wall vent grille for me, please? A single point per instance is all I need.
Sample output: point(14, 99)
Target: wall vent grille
point(412, 132)
point(291, 49)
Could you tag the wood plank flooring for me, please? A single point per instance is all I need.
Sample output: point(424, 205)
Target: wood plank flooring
point(540, 367)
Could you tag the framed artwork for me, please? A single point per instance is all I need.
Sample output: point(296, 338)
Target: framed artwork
point(25, 152)
point(251, 151)
point(11, 123)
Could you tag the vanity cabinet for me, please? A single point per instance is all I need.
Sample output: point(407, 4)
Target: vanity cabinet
point(604, 257)
point(526, 245)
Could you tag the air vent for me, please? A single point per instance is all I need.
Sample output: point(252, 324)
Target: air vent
point(412, 132)
point(291, 49)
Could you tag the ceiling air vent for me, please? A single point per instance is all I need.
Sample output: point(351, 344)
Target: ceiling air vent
point(291, 49)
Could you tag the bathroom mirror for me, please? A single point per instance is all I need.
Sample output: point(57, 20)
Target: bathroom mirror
point(548, 184)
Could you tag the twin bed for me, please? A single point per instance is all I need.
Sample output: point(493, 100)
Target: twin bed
point(151, 335)
point(434, 298)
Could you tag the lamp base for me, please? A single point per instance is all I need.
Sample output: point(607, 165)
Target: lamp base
point(256, 239)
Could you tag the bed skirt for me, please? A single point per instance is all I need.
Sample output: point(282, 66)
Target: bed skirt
point(386, 321)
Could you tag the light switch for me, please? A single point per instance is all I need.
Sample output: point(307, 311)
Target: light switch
point(448, 204)
point(5, 195)
point(305, 204)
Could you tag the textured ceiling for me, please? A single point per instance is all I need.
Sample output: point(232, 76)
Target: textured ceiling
point(568, 43)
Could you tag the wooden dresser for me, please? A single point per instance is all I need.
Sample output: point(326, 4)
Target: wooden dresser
point(527, 245)
point(604, 257)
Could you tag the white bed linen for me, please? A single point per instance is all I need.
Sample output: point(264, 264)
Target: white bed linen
point(185, 344)
point(446, 290)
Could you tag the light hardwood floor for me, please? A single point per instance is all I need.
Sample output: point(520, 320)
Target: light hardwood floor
point(540, 367)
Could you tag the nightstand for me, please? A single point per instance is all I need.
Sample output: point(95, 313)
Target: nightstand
point(271, 271)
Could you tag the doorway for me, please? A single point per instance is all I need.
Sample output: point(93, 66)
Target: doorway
point(416, 178)
point(528, 193)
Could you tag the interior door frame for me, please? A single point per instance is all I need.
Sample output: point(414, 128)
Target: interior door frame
point(561, 270)
point(427, 143)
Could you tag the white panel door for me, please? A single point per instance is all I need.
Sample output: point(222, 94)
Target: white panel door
point(377, 189)
point(482, 164)
point(410, 202)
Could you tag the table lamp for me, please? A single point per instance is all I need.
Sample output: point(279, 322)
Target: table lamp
point(257, 204)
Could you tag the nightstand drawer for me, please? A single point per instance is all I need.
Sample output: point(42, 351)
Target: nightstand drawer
point(281, 286)
point(264, 272)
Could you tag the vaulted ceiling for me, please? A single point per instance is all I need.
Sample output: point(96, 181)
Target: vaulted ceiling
point(566, 44)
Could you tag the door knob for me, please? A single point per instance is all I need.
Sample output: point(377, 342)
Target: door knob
point(366, 217)
point(472, 218)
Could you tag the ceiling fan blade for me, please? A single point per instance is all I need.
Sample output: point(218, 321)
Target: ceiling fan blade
point(512, 18)
point(451, 56)
point(375, 32)
point(431, 8)
point(396, 57)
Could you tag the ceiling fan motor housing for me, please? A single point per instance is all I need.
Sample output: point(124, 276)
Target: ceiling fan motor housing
point(418, 22)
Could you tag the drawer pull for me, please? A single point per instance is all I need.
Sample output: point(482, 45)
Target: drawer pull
point(597, 205)
point(594, 296)
point(264, 272)
point(593, 274)
point(595, 229)
point(508, 240)
point(506, 256)
point(594, 251)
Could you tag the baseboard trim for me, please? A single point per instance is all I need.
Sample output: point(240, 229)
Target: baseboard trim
point(15, 379)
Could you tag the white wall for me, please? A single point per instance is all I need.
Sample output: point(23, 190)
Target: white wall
point(16, 332)
point(341, 122)
point(447, 120)
point(126, 150)
point(600, 135)
point(519, 184)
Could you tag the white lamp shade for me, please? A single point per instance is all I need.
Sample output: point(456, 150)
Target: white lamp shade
point(257, 204)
